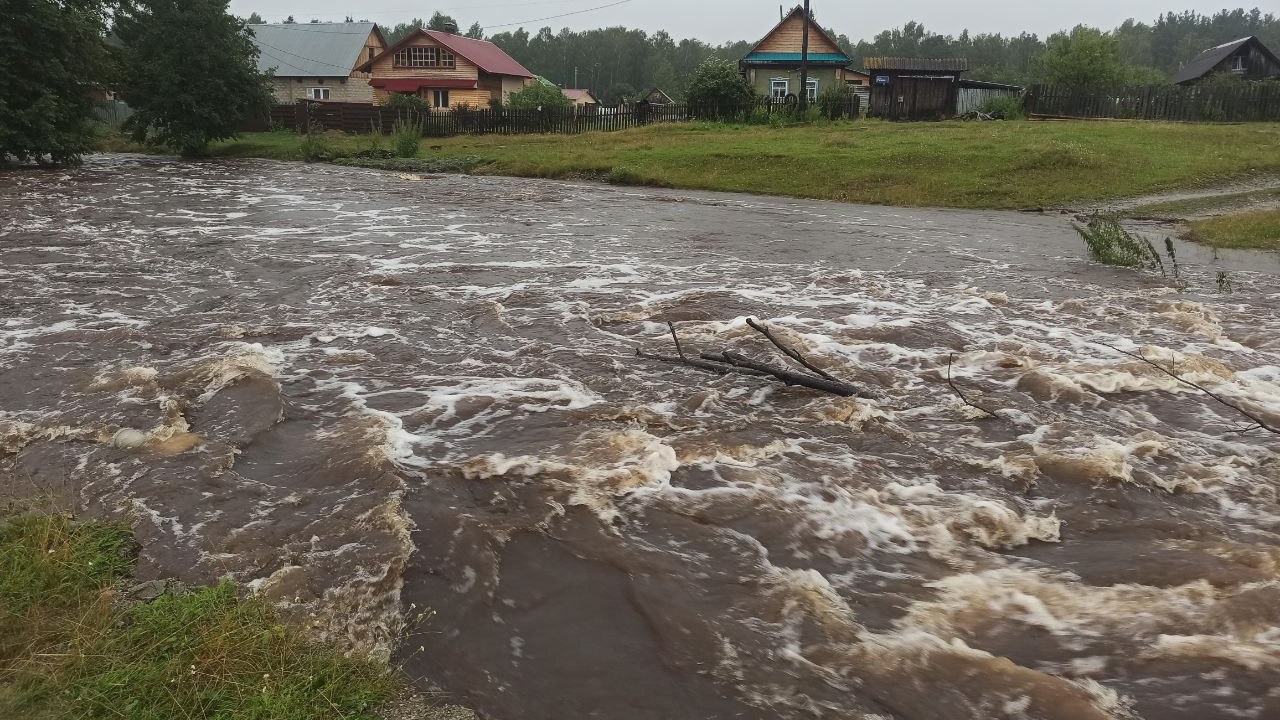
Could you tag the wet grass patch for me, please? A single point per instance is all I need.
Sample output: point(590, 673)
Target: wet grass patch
point(1257, 230)
point(70, 647)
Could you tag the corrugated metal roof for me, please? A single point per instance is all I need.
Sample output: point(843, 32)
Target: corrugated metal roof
point(1207, 60)
point(917, 64)
point(310, 49)
point(487, 56)
point(775, 57)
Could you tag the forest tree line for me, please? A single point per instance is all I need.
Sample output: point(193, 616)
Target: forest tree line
point(619, 62)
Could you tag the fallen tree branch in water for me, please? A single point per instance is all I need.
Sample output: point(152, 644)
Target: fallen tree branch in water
point(793, 354)
point(835, 387)
point(728, 362)
point(701, 364)
point(955, 388)
point(1258, 423)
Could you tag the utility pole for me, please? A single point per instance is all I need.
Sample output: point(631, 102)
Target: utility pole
point(575, 76)
point(804, 60)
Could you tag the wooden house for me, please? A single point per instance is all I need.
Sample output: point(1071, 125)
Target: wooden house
point(772, 66)
point(318, 61)
point(446, 70)
point(581, 99)
point(656, 96)
point(914, 88)
point(1246, 58)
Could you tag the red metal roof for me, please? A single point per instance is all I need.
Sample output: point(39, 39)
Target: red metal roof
point(487, 56)
point(413, 84)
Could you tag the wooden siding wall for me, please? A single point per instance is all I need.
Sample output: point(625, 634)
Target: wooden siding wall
point(463, 69)
point(787, 38)
point(1193, 103)
point(914, 98)
point(1258, 66)
point(370, 42)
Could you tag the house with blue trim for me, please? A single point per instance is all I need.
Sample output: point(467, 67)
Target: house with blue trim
point(773, 64)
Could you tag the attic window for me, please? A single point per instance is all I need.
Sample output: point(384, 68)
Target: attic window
point(446, 59)
point(1237, 63)
point(371, 53)
point(416, 56)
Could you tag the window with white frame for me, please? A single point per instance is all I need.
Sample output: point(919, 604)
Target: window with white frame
point(1237, 63)
point(446, 59)
point(318, 93)
point(417, 56)
point(440, 98)
point(778, 88)
point(813, 89)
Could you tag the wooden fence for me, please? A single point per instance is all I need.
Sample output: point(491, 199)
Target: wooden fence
point(1246, 102)
point(363, 118)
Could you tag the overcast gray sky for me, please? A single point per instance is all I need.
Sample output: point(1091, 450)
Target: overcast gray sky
point(719, 21)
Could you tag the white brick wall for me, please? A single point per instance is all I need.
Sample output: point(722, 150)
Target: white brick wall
point(351, 89)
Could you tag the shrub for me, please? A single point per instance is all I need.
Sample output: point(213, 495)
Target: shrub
point(315, 147)
point(834, 102)
point(1111, 244)
point(405, 137)
point(538, 96)
point(1008, 107)
point(407, 101)
point(718, 84)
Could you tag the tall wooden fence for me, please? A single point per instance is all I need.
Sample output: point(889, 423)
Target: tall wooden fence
point(363, 118)
point(1245, 102)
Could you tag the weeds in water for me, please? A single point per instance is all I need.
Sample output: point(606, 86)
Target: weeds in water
point(1111, 244)
point(68, 651)
point(314, 147)
point(1224, 282)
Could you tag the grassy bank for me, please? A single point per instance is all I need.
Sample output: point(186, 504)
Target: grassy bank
point(950, 164)
point(1259, 229)
point(73, 646)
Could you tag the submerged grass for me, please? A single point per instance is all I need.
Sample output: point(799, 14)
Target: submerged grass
point(952, 164)
point(69, 649)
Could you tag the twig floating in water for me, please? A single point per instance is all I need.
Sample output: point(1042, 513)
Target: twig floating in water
point(950, 359)
point(1258, 423)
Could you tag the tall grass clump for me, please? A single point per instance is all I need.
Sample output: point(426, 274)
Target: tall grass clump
point(1111, 244)
point(70, 648)
point(405, 136)
point(1008, 107)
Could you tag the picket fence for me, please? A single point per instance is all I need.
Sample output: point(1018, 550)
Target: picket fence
point(306, 115)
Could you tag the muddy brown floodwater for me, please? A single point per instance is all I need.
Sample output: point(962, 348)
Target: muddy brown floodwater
point(369, 396)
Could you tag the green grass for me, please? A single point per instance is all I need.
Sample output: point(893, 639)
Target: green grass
point(949, 164)
point(67, 650)
point(1259, 230)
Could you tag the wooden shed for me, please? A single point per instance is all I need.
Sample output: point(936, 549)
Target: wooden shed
point(914, 88)
point(1246, 58)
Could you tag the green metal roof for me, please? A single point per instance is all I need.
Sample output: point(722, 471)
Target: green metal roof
point(774, 57)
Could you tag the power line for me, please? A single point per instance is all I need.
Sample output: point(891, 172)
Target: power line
point(301, 57)
point(554, 17)
point(302, 27)
point(447, 9)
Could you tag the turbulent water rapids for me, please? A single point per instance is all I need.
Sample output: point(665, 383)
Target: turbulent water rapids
point(408, 409)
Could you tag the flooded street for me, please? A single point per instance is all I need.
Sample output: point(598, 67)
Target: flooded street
point(409, 409)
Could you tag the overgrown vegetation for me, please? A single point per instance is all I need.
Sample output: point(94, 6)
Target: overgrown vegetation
point(1111, 244)
point(406, 134)
point(71, 648)
point(717, 83)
